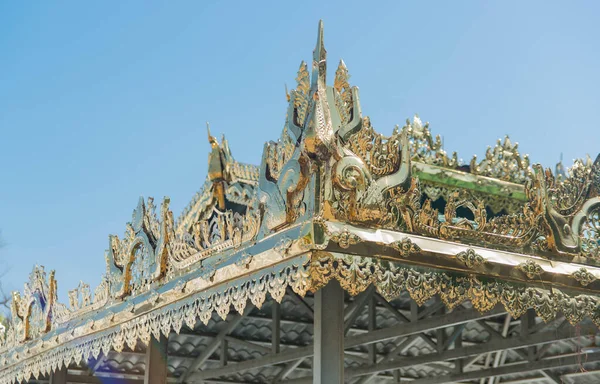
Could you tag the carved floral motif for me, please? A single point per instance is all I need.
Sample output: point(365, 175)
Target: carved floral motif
point(470, 258)
point(531, 269)
point(584, 277)
point(502, 162)
point(406, 247)
point(345, 238)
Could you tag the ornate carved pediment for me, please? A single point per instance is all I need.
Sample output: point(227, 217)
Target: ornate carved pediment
point(80, 297)
point(140, 257)
point(31, 313)
point(502, 162)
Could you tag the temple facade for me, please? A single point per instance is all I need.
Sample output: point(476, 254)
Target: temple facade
point(346, 256)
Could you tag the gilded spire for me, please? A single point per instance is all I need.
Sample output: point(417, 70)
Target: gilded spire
point(319, 59)
point(211, 139)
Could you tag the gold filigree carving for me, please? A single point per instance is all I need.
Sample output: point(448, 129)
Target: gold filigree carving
point(108, 335)
point(31, 314)
point(590, 234)
point(343, 94)
point(531, 269)
point(356, 273)
point(244, 261)
point(424, 147)
point(568, 196)
point(470, 258)
point(379, 153)
point(406, 247)
point(283, 246)
point(300, 95)
point(496, 203)
point(345, 238)
point(215, 233)
point(80, 297)
point(503, 162)
point(140, 258)
point(584, 277)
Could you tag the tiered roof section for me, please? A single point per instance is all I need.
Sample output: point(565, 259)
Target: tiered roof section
point(332, 199)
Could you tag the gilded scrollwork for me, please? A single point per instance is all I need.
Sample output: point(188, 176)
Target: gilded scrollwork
point(283, 246)
point(496, 203)
point(140, 258)
point(531, 269)
point(244, 261)
point(584, 277)
point(31, 313)
point(299, 96)
point(503, 162)
point(345, 238)
point(71, 347)
point(425, 148)
point(216, 232)
point(390, 280)
point(470, 258)
point(80, 297)
point(343, 94)
point(406, 247)
point(590, 234)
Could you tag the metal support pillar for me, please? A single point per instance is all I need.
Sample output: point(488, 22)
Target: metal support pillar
point(372, 325)
point(59, 376)
point(527, 323)
point(224, 348)
point(276, 327)
point(156, 361)
point(328, 365)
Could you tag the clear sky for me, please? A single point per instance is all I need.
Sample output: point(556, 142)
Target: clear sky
point(103, 102)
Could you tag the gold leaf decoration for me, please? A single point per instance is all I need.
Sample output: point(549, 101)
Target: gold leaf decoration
point(470, 258)
point(406, 247)
point(345, 238)
point(531, 269)
point(583, 276)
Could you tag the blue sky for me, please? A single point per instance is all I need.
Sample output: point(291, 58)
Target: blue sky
point(103, 102)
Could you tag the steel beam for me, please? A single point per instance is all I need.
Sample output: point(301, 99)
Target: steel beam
point(512, 369)
point(214, 345)
point(300, 301)
point(451, 319)
point(355, 308)
point(401, 330)
point(328, 363)
point(511, 343)
point(285, 371)
point(271, 359)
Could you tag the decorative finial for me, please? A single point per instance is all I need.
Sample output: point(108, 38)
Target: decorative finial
point(560, 170)
point(287, 94)
point(319, 58)
point(211, 139)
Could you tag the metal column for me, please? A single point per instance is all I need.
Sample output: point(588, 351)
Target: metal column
point(328, 365)
point(59, 376)
point(156, 361)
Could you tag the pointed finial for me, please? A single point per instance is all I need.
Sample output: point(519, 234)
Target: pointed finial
point(287, 94)
point(211, 139)
point(320, 57)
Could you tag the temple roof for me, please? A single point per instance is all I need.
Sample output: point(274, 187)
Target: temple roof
point(331, 199)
